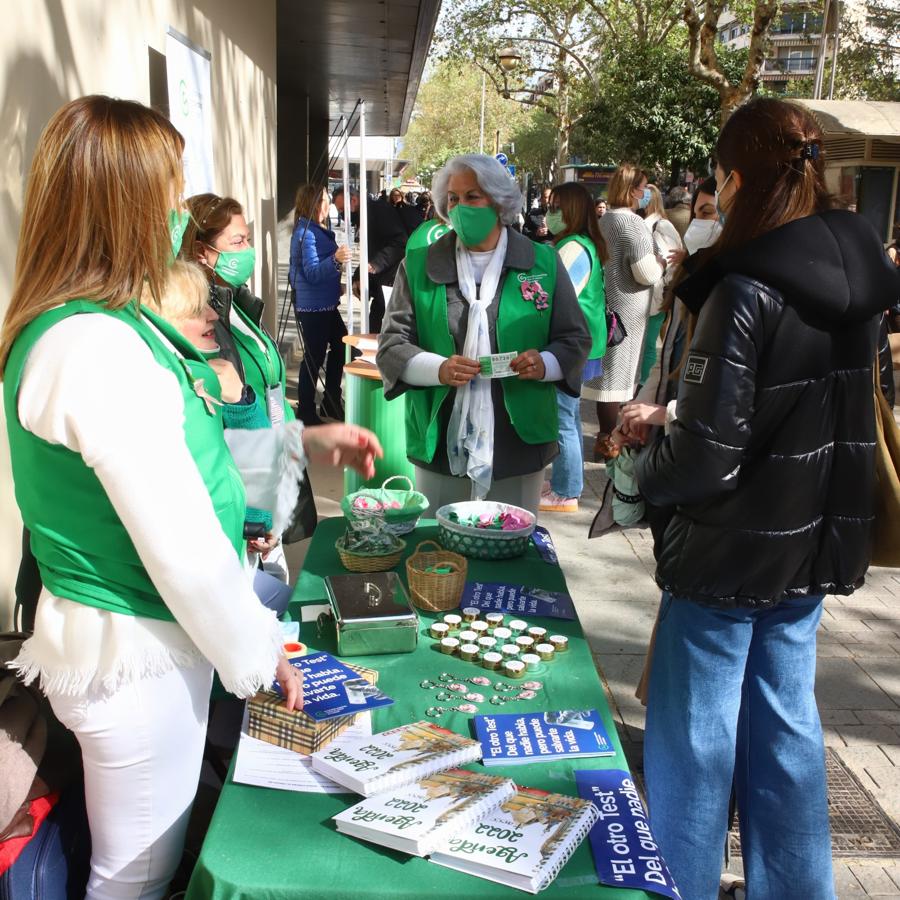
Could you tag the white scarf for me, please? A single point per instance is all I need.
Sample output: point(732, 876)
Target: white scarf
point(470, 437)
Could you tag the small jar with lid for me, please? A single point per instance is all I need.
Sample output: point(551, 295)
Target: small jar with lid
point(514, 668)
point(503, 634)
point(545, 652)
point(510, 651)
point(491, 660)
point(453, 620)
point(468, 636)
point(517, 626)
point(560, 642)
point(439, 630)
point(532, 661)
point(449, 646)
point(525, 643)
point(470, 613)
point(494, 619)
point(468, 652)
point(487, 643)
point(480, 627)
point(535, 631)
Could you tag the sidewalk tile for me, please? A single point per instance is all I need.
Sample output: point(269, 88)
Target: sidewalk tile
point(839, 717)
point(873, 878)
point(872, 650)
point(843, 684)
point(893, 872)
point(846, 884)
point(879, 716)
point(867, 735)
point(831, 649)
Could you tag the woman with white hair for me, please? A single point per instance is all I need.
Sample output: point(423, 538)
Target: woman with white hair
point(483, 326)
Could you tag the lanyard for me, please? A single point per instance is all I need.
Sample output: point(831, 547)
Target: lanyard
point(272, 377)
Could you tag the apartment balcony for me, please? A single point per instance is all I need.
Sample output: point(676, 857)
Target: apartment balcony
point(797, 66)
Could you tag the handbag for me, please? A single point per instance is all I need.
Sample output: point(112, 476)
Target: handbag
point(886, 527)
point(305, 518)
point(615, 329)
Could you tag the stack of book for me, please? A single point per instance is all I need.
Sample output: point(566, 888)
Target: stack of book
point(420, 802)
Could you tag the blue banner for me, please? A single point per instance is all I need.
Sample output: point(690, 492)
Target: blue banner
point(625, 853)
point(492, 596)
point(331, 689)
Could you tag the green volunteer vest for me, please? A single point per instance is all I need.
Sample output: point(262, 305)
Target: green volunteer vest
point(427, 233)
point(593, 296)
point(262, 368)
point(531, 405)
point(82, 548)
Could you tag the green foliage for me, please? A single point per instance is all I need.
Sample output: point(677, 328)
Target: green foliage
point(651, 110)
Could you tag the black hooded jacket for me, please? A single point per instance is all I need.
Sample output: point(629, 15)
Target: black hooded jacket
point(770, 461)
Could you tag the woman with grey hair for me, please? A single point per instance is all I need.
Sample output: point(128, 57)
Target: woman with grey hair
point(483, 326)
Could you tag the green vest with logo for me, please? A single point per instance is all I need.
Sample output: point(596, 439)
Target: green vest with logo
point(531, 405)
point(592, 298)
point(426, 234)
point(82, 548)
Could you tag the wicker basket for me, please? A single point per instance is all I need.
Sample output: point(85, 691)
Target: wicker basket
point(483, 543)
point(436, 591)
point(398, 521)
point(367, 562)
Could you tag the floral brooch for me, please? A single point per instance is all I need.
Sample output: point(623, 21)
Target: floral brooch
point(532, 292)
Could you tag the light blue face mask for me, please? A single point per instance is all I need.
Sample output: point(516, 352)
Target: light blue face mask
point(644, 202)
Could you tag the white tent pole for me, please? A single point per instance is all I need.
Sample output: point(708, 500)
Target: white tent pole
point(363, 223)
point(348, 266)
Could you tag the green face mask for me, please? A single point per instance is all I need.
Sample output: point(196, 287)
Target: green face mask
point(472, 223)
point(178, 223)
point(234, 267)
point(555, 222)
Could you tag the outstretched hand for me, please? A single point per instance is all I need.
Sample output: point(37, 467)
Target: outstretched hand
point(343, 445)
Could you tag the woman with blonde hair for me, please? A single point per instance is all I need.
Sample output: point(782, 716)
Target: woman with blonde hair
point(117, 454)
point(632, 270)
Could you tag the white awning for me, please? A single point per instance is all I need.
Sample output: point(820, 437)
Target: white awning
point(864, 118)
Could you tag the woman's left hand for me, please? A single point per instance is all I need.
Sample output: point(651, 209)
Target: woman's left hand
point(343, 445)
point(529, 365)
point(291, 683)
point(264, 546)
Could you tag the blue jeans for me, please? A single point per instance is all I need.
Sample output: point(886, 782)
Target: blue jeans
point(731, 698)
point(567, 478)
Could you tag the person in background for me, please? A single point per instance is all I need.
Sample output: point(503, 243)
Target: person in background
point(535, 226)
point(315, 278)
point(482, 289)
point(770, 463)
point(410, 214)
point(600, 207)
point(386, 244)
point(667, 245)
point(704, 227)
point(630, 273)
point(217, 237)
point(573, 223)
point(115, 451)
point(679, 209)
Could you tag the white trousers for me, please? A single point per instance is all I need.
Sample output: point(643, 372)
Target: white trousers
point(142, 748)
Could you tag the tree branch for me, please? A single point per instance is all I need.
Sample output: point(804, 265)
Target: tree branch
point(702, 62)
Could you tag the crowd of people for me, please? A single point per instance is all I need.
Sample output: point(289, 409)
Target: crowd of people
point(726, 335)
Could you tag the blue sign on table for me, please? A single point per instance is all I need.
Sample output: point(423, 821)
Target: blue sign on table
point(492, 596)
point(542, 541)
point(331, 689)
point(625, 852)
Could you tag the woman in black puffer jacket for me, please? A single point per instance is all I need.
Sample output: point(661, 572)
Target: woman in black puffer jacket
point(770, 467)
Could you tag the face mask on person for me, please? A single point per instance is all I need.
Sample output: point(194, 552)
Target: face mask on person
point(644, 202)
point(234, 267)
point(178, 223)
point(555, 222)
point(719, 210)
point(701, 233)
point(472, 223)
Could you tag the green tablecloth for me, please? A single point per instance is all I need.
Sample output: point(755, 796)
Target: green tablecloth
point(265, 844)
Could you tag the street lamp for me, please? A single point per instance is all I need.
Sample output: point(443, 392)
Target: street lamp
point(509, 59)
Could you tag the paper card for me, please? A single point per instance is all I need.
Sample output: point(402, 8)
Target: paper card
point(262, 764)
point(520, 599)
point(497, 365)
point(625, 853)
point(544, 545)
point(332, 689)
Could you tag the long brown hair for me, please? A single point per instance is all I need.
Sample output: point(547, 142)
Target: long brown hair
point(306, 202)
point(210, 216)
point(777, 148)
point(104, 176)
point(577, 207)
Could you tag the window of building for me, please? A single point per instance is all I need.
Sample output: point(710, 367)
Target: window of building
point(734, 33)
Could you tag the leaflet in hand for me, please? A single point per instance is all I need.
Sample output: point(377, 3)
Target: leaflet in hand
point(625, 853)
point(396, 757)
point(332, 689)
point(522, 843)
point(493, 596)
point(518, 738)
point(416, 817)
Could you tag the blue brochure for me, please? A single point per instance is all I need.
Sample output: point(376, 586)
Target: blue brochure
point(331, 689)
point(625, 853)
point(492, 596)
point(544, 545)
point(509, 739)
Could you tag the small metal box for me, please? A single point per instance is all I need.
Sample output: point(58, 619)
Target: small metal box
point(372, 614)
